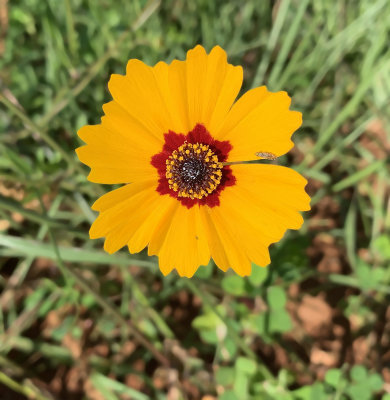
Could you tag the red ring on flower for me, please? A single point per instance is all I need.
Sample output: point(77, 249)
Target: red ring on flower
point(201, 135)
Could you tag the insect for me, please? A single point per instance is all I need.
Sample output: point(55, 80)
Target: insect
point(266, 155)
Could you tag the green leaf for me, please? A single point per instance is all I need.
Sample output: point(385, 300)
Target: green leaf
point(207, 321)
point(358, 373)
point(359, 391)
point(258, 275)
point(229, 395)
point(204, 272)
point(246, 366)
point(209, 337)
point(332, 377)
point(224, 376)
point(279, 321)
point(375, 382)
point(227, 350)
point(234, 285)
point(381, 245)
point(276, 297)
point(258, 323)
point(364, 275)
point(241, 385)
point(303, 393)
point(378, 275)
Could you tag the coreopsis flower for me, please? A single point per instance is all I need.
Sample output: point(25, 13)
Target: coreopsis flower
point(178, 142)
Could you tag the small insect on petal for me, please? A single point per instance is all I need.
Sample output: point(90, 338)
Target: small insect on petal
point(266, 155)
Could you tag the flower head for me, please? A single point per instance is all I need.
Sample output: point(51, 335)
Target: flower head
point(177, 139)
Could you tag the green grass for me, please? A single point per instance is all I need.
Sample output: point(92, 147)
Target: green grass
point(77, 320)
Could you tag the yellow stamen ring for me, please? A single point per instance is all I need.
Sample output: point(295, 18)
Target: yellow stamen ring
point(193, 170)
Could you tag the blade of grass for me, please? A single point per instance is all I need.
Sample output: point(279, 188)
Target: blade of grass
point(348, 109)
point(359, 175)
point(286, 45)
point(333, 153)
point(33, 127)
point(25, 247)
point(283, 8)
point(353, 282)
point(66, 97)
point(101, 381)
point(14, 206)
point(350, 233)
point(27, 391)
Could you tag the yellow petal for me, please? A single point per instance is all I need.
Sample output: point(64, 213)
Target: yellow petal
point(138, 93)
point(122, 211)
point(196, 65)
point(263, 204)
point(223, 84)
point(184, 246)
point(273, 184)
point(117, 196)
point(212, 86)
point(171, 80)
point(151, 222)
point(260, 121)
point(225, 242)
point(116, 150)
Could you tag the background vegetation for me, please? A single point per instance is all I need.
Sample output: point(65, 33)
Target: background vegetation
point(76, 323)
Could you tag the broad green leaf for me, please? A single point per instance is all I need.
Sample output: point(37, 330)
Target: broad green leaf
point(234, 284)
point(241, 385)
point(246, 366)
point(227, 350)
point(276, 297)
point(358, 373)
point(207, 321)
point(258, 275)
point(333, 376)
point(359, 391)
point(381, 245)
point(279, 321)
point(364, 275)
point(229, 395)
point(225, 376)
point(375, 382)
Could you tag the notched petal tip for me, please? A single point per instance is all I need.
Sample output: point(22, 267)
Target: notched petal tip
point(94, 233)
point(164, 269)
point(82, 154)
point(114, 81)
point(160, 65)
point(243, 272)
point(306, 206)
point(84, 132)
point(110, 248)
point(218, 51)
point(133, 66)
point(297, 118)
point(197, 51)
point(96, 205)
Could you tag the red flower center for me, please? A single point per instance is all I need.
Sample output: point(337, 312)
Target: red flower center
point(190, 167)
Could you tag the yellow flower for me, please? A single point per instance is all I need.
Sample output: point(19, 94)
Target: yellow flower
point(175, 137)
